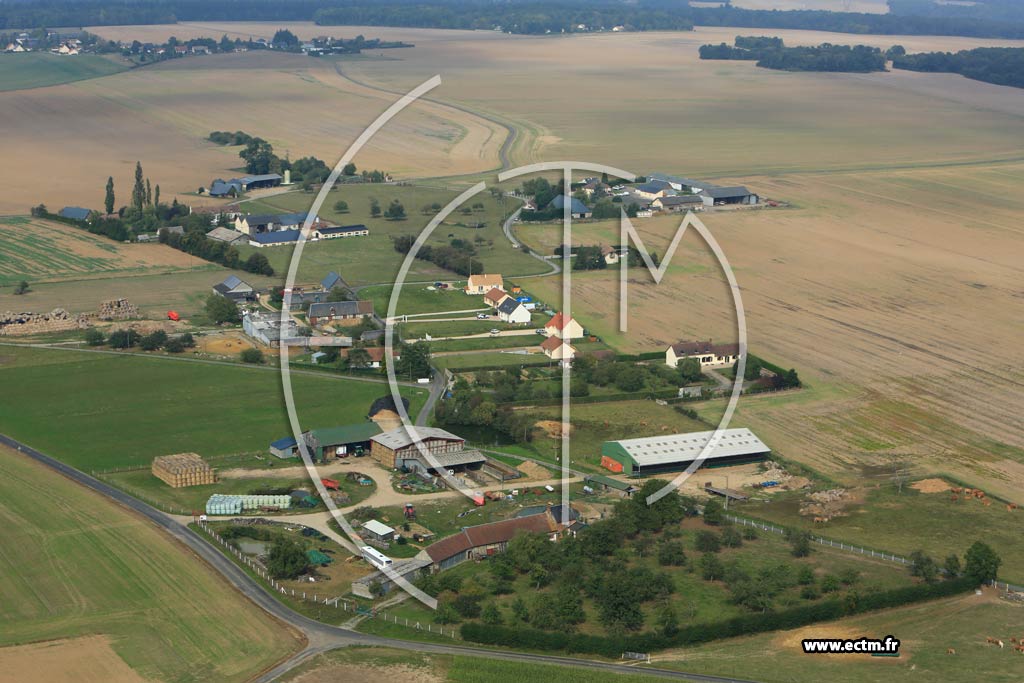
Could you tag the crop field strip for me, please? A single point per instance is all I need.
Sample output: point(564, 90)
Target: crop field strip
point(111, 573)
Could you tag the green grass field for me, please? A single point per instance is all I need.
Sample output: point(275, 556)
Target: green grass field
point(902, 523)
point(98, 411)
point(372, 259)
point(85, 567)
point(350, 663)
point(925, 632)
point(40, 69)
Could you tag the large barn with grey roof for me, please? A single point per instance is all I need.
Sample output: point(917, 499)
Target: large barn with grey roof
point(676, 452)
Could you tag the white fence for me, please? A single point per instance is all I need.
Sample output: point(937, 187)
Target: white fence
point(822, 541)
point(336, 602)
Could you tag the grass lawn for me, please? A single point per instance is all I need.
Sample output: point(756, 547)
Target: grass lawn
point(372, 259)
point(40, 69)
point(902, 523)
point(414, 299)
point(110, 573)
point(595, 423)
point(97, 411)
point(925, 632)
point(354, 661)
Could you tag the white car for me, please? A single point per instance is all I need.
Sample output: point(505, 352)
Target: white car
point(495, 333)
point(482, 316)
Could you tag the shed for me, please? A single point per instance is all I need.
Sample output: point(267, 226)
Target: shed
point(675, 452)
point(378, 530)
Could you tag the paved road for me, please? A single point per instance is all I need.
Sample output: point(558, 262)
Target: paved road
point(320, 637)
point(507, 228)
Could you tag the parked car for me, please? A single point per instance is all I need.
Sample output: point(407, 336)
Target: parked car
point(482, 316)
point(540, 331)
point(494, 333)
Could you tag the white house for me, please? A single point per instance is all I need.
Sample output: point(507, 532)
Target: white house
point(708, 354)
point(512, 311)
point(563, 327)
point(611, 256)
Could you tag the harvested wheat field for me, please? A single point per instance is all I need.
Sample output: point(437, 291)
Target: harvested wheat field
point(80, 660)
point(163, 113)
point(39, 250)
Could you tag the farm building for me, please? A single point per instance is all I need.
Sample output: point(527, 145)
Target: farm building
point(255, 224)
point(602, 483)
point(285, 447)
point(330, 281)
point(562, 514)
point(679, 202)
point(653, 189)
point(330, 232)
point(378, 531)
point(329, 311)
point(234, 288)
point(675, 452)
point(354, 439)
point(563, 327)
point(481, 284)
point(486, 540)
point(407, 448)
point(267, 329)
point(716, 196)
point(183, 469)
point(680, 184)
point(274, 239)
point(512, 311)
point(577, 209)
point(558, 349)
point(224, 188)
point(226, 235)
point(327, 442)
point(75, 213)
point(709, 355)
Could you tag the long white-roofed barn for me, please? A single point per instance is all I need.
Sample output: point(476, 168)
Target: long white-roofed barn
point(676, 452)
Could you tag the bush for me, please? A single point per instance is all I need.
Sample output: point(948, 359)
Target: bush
point(123, 339)
point(94, 337)
point(707, 542)
point(252, 355)
point(714, 513)
point(731, 537)
point(153, 341)
point(174, 346)
point(749, 533)
point(222, 310)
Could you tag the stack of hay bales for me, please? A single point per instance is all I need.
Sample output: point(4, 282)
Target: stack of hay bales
point(183, 469)
point(117, 309)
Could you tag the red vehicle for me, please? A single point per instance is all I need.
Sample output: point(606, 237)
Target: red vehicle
point(329, 484)
point(173, 315)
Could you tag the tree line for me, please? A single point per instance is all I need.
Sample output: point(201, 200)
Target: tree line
point(991, 19)
point(771, 53)
point(999, 65)
point(194, 241)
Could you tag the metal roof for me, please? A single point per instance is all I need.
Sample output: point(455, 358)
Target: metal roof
point(279, 237)
point(354, 433)
point(378, 528)
point(286, 442)
point(75, 213)
point(726, 192)
point(402, 437)
point(444, 460)
point(329, 281)
point(670, 448)
point(341, 229)
point(232, 281)
point(339, 308)
point(258, 178)
point(678, 180)
point(576, 206)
